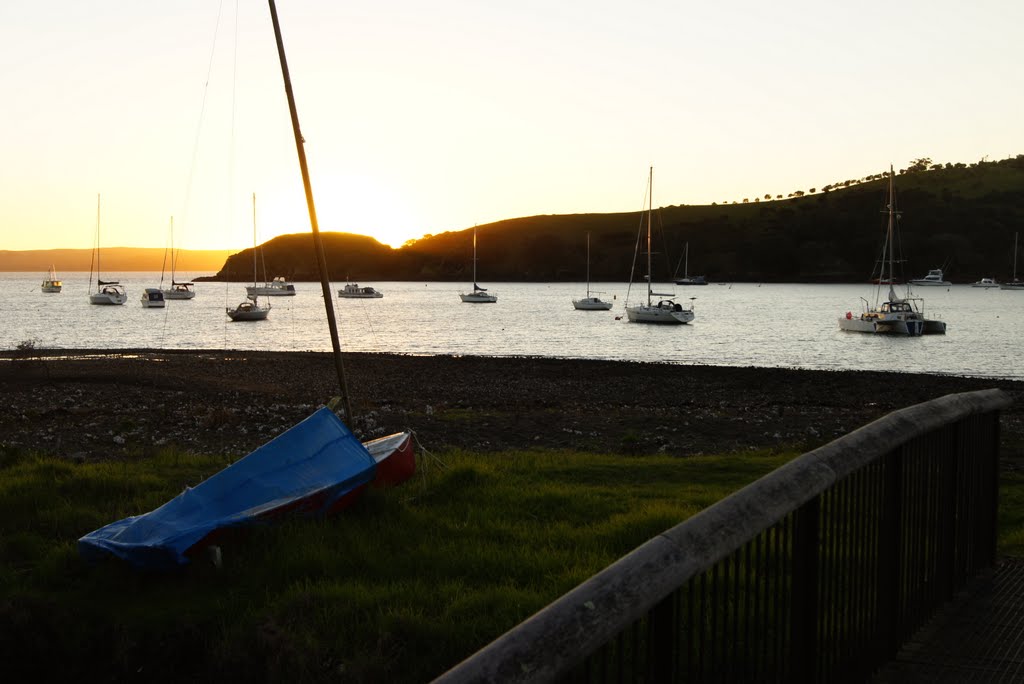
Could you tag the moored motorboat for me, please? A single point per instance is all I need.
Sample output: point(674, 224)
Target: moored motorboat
point(278, 287)
point(152, 298)
point(986, 283)
point(354, 291)
point(934, 278)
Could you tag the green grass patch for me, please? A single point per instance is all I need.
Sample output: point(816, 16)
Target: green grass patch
point(398, 588)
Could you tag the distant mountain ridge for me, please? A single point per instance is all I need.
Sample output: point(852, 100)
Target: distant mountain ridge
point(958, 217)
point(114, 259)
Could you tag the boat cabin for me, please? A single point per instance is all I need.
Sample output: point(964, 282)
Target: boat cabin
point(897, 307)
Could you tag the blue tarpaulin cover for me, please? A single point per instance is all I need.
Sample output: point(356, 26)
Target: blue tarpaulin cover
point(309, 467)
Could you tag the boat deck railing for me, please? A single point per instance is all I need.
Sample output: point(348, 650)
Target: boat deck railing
point(818, 571)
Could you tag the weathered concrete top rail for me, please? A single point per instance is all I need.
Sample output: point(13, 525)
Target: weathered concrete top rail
point(559, 636)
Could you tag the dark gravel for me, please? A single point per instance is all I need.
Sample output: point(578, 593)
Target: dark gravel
point(96, 405)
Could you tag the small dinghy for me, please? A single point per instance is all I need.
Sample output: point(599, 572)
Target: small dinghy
point(316, 467)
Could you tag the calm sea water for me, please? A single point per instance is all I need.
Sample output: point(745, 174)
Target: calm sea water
point(741, 324)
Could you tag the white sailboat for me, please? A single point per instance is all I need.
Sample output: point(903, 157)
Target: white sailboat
point(51, 283)
point(177, 290)
point(687, 279)
point(663, 310)
point(110, 291)
point(895, 315)
point(250, 309)
point(590, 302)
point(479, 295)
point(1013, 284)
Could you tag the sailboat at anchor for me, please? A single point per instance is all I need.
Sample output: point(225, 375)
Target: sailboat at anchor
point(250, 309)
point(664, 310)
point(591, 302)
point(479, 295)
point(896, 315)
point(108, 292)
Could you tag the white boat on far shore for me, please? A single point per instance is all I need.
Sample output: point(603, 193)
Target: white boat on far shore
point(934, 279)
point(986, 283)
point(278, 287)
point(51, 283)
point(354, 291)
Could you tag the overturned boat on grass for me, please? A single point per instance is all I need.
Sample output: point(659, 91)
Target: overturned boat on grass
point(317, 467)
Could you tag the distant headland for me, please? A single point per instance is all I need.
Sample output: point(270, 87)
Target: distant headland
point(958, 217)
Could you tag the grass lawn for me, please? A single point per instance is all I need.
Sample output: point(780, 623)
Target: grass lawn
point(398, 588)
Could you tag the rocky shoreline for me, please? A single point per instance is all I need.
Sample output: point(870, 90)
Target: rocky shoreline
point(96, 405)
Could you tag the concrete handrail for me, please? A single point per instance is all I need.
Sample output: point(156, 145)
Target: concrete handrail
point(562, 634)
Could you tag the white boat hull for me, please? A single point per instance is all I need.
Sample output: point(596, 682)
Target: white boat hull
point(352, 291)
point(109, 297)
point(270, 291)
point(591, 304)
point(911, 328)
point(51, 288)
point(152, 298)
point(248, 311)
point(478, 298)
point(659, 314)
point(179, 293)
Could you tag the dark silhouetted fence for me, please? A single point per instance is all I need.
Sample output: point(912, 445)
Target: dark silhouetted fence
point(816, 572)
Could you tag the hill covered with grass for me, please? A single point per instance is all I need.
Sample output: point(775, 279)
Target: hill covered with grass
point(960, 217)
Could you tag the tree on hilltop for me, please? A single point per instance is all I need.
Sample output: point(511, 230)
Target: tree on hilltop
point(921, 164)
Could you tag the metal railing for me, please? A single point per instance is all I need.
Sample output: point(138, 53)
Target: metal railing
point(816, 572)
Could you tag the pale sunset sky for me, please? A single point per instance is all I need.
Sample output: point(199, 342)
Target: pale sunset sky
point(424, 117)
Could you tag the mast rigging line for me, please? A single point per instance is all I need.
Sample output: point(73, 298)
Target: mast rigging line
point(318, 244)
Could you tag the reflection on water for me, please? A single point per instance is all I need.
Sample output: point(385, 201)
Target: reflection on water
point(742, 324)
